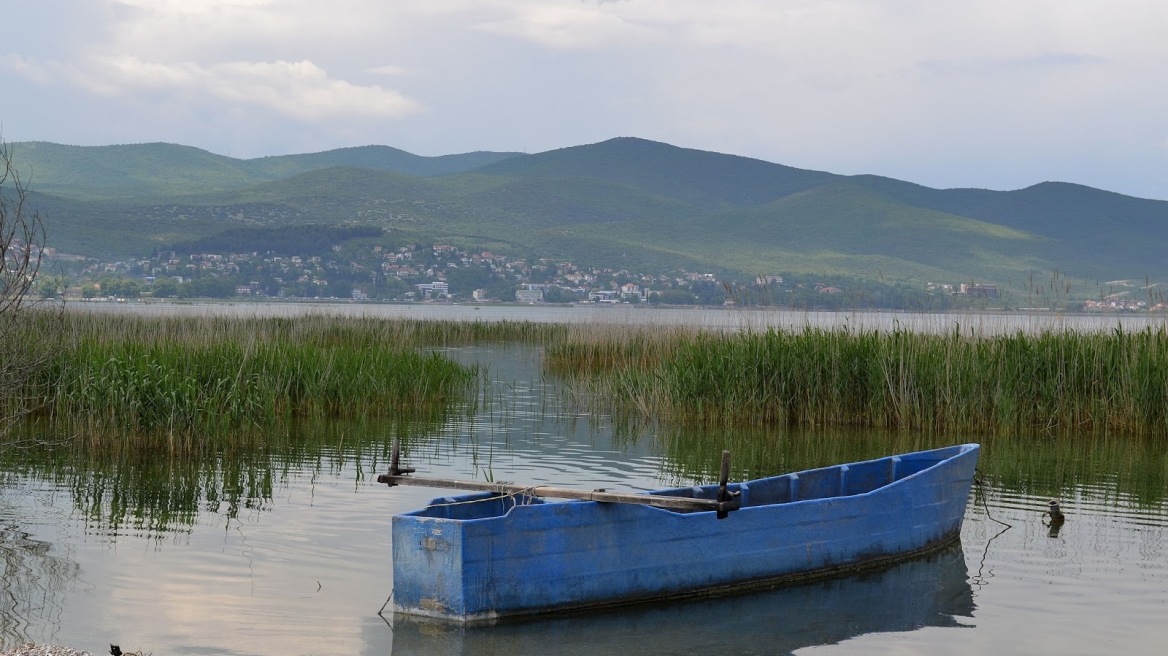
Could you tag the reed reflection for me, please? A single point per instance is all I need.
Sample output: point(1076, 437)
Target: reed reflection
point(147, 495)
point(143, 494)
point(37, 578)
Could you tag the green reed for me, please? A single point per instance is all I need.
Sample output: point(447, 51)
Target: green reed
point(588, 350)
point(1040, 467)
point(1045, 383)
point(186, 378)
point(177, 387)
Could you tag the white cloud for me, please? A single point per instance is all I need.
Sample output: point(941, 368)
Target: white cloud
point(300, 90)
point(27, 68)
point(304, 90)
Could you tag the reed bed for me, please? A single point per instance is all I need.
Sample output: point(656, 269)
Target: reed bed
point(183, 379)
point(1045, 383)
point(590, 350)
point(1088, 465)
point(322, 329)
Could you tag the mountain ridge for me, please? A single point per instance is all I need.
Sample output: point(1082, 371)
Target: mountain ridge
point(160, 169)
point(610, 203)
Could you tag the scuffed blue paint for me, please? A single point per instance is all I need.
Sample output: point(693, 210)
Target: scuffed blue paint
point(481, 557)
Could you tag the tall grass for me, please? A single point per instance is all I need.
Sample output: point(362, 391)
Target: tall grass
point(584, 350)
point(180, 380)
point(177, 387)
point(1136, 468)
point(1046, 383)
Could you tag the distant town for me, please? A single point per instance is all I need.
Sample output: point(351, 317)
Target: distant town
point(442, 273)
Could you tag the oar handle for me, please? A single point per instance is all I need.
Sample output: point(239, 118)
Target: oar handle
point(394, 461)
point(727, 500)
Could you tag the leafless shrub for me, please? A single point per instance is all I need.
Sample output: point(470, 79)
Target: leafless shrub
point(23, 346)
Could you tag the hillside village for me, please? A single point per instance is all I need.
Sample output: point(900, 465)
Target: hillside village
point(443, 273)
point(410, 273)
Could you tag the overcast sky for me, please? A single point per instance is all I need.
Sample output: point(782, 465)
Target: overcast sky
point(999, 94)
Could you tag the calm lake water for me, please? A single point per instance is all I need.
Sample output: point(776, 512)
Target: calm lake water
point(290, 553)
point(624, 314)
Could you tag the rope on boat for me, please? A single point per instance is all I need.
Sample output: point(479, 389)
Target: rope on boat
point(381, 612)
point(527, 493)
point(981, 578)
point(984, 503)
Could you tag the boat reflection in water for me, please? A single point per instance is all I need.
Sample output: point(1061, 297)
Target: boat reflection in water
point(928, 591)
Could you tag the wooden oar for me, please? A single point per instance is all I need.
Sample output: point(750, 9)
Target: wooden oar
point(726, 502)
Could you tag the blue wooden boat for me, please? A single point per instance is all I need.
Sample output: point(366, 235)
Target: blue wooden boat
point(932, 590)
point(507, 552)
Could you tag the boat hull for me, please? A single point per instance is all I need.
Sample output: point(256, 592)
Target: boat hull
point(481, 558)
point(928, 591)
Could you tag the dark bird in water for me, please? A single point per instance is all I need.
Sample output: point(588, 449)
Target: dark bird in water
point(1055, 513)
point(115, 650)
point(1056, 519)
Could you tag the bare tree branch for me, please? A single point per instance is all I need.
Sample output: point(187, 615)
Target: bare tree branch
point(22, 244)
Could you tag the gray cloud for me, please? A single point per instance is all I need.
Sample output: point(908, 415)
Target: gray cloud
point(996, 93)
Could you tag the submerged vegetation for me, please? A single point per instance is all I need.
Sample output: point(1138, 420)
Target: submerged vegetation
point(1050, 383)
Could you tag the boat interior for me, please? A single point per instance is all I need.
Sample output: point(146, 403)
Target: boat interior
point(824, 483)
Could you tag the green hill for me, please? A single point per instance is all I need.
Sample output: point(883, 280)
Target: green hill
point(140, 170)
point(377, 158)
point(626, 203)
point(843, 228)
point(705, 179)
point(159, 170)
